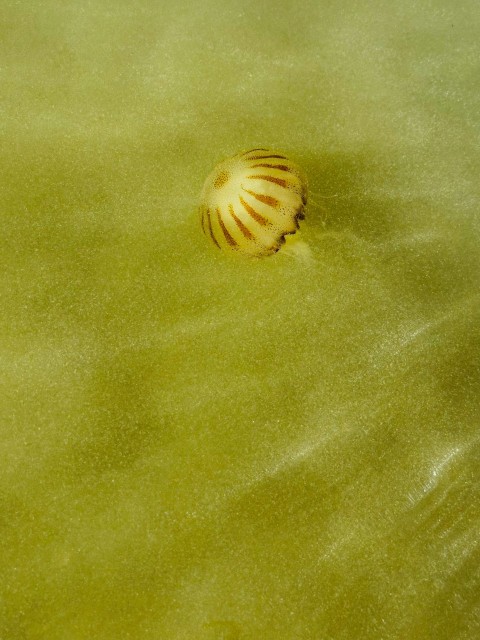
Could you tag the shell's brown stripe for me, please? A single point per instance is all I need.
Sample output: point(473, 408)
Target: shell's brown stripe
point(267, 157)
point(270, 200)
point(212, 235)
point(221, 180)
point(228, 237)
point(279, 181)
point(254, 214)
point(280, 167)
point(252, 150)
point(246, 232)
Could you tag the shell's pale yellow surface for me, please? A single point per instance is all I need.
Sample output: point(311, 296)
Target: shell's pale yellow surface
point(250, 202)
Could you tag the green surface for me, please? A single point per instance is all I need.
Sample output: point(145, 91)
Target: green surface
point(198, 447)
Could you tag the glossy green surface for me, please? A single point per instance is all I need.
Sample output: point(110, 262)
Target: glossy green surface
point(199, 447)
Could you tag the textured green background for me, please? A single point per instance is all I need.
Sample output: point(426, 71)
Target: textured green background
point(198, 447)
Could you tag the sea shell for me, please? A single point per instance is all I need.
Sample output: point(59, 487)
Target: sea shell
point(251, 201)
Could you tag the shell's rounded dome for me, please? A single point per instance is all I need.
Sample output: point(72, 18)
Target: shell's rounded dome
point(251, 201)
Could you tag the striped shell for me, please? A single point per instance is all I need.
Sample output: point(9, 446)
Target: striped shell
point(251, 201)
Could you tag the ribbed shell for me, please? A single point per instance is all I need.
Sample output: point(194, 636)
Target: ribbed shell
point(251, 201)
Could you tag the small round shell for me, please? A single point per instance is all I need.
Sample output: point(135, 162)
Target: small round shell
point(251, 201)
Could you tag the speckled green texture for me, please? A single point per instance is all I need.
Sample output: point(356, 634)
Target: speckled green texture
point(195, 447)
